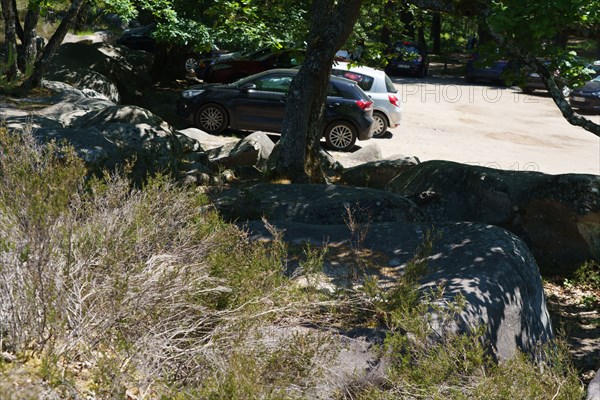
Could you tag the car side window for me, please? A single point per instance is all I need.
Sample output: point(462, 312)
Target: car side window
point(274, 83)
point(332, 91)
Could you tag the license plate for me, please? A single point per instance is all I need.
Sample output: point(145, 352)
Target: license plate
point(403, 66)
point(580, 99)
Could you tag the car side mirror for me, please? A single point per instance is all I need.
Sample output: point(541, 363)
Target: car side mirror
point(246, 87)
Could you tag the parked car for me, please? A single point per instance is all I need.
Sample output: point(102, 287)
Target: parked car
point(407, 58)
point(139, 38)
point(501, 72)
point(231, 69)
point(142, 38)
point(257, 102)
point(387, 110)
point(587, 98)
point(534, 81)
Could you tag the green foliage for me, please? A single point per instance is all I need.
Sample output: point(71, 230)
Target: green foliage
point(529, 29)
point(588, 275)
point(249, 24)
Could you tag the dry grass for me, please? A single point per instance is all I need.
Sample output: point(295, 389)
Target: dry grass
point(109, 291)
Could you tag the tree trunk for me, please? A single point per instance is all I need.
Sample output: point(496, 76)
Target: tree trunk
point(10, 38)
point(298, 158)
point(28, 53)
point(565, 108)
point(18, 28)
point(39, 69)
point(436, 32)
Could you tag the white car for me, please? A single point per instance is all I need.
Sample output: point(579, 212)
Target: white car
point(387, 110)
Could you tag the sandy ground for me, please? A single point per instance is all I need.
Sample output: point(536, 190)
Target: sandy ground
point(489, 126)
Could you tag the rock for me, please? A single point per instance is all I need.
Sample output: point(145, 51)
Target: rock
point(593, 389)
point(315, 204)
point(558, 216)
point(90, 82)
point(138, 134)
point(128, 70)
point(205, 140)
point(253, 150)
point(342, 359)
point(376, 174)
point(489, 266)
point(90, 145)
point(369, 153)
point(25, 123)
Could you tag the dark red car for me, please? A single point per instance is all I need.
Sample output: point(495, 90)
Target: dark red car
point(233, 68)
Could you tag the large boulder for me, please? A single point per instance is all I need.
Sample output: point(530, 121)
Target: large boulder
point(558, 216)
point(315, 204)
point(138, 134)
point(253, 150)
point(376, 174)
point(490, 267)
point(101, 67)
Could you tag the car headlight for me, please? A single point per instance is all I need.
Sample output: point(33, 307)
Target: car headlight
point(186, 94)
point(596, 94)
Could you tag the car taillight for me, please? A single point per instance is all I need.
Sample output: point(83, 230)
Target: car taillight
point(364, 105)
point(394, 100)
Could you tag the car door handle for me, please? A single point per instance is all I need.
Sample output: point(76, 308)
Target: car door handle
point(333, 104)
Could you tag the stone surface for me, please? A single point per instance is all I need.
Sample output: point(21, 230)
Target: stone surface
point(376, 174)
point(315, 204)
point(593, 389)
point(558, 216)
point(253, 150)
point(128, 71)
point(489, 266)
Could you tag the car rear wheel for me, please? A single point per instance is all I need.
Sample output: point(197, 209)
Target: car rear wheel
point(212, 118)
point(380, 124)
point(340, 136)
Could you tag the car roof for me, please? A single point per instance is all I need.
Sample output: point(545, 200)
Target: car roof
point(294, 71)
point(375, 73)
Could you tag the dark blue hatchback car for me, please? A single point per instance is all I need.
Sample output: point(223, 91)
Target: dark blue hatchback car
point(257, 102)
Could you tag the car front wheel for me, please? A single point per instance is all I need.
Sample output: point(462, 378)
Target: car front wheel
point(340, 136)
point(212, 118)
point(380, 124)
point(190, 64)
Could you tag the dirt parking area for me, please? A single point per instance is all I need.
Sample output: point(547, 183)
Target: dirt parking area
point(445, 118)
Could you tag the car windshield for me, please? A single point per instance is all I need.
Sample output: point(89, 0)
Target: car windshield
point(596, 79)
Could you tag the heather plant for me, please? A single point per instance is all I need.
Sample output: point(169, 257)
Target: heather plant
point(111, 290)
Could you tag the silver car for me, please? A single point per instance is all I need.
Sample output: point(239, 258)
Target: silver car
point(387, 110)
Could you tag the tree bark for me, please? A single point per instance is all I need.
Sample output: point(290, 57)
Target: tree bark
point(10, 38)
point(41, 65)
point(436, 32)
point(28, 53)
point(565, 108)
point(298, 158)
point(18, 28)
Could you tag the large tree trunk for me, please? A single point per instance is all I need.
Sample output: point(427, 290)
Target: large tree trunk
point(18, 28)
point(10, 38)
point(298, 158)
point(39, 69)
point(28, 53)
